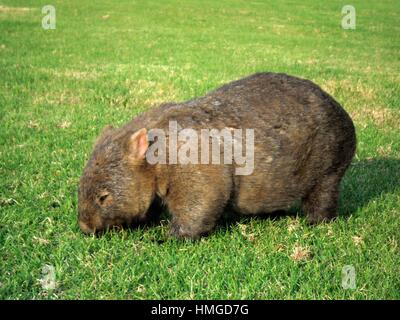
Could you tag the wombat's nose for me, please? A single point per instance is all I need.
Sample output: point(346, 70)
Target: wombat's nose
point(85, 228)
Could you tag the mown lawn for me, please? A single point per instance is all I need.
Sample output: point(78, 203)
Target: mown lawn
point(107, 61)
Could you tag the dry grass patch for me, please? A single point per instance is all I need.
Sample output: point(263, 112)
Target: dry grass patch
point(155, 93)
point(362, 102)
point(300, 253)
point(15, 10)
point(71, 74)
point(57, 98)
point(78, 75)
point(382, 117)
point(355, 88)
point(385, 151)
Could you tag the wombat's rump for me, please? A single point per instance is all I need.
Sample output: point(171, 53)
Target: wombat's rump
point(303, 143)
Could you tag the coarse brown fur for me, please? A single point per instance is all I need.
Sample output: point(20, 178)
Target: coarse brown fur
point(303, 139)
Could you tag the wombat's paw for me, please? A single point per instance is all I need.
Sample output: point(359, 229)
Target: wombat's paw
point(317, 219)
point(182, 232)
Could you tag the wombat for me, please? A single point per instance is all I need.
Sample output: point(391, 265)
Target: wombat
point(303, 143)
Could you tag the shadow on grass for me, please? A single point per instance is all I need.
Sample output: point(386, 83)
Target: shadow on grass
point(365, 180)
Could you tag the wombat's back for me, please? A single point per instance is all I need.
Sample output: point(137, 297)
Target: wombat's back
point(260, 101)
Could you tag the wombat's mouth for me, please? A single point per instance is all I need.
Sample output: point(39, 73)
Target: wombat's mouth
point(85, 228)
point(99, 231)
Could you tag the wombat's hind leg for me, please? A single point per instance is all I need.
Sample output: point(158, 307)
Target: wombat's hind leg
point(322, 202)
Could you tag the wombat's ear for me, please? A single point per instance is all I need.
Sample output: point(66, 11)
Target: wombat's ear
point(104, 133)
point(138, 145)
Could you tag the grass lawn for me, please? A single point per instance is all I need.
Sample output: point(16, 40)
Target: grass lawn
point(107, 61)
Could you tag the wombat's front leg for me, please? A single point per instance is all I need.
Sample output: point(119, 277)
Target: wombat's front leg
point(197, 198)
point(195, 219)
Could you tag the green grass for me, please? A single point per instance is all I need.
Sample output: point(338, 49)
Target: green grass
point(107, 61)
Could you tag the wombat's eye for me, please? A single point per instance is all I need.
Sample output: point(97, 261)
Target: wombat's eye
point(104, 198)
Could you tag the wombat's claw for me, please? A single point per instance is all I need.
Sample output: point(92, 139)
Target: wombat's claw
point(314, 220)
point(181, 232)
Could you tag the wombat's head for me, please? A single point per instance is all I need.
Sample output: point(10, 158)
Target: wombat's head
point(117, 186)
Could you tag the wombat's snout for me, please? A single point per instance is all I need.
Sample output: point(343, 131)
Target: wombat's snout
point(85, 228)
point(90, 223)
point(100, 228)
